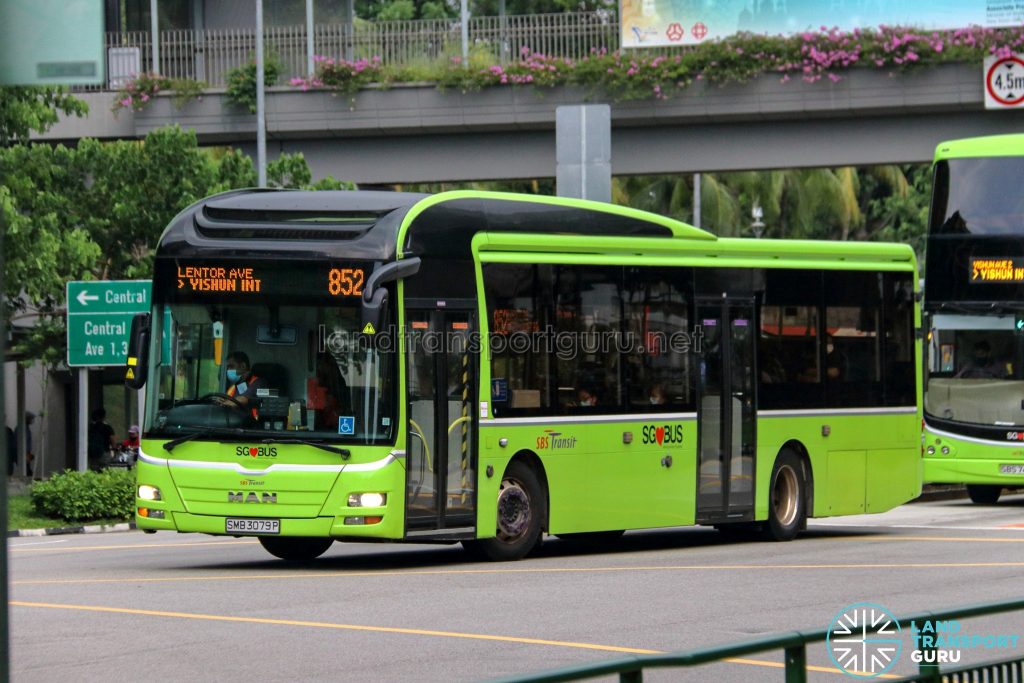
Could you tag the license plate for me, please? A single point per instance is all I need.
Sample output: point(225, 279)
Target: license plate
point(235, 525)
point(1011, 469)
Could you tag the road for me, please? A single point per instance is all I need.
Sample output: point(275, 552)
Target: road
point(130, 606)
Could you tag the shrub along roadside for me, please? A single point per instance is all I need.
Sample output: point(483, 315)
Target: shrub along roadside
point(86, 496)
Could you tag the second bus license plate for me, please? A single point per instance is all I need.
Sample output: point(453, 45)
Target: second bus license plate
point(1011, 469)
point(235, 525)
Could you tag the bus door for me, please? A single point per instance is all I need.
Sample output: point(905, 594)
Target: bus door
point(441, 448)
point(727, 410)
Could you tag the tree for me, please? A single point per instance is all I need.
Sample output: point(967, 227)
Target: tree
point(24, 109)
point(98, 211)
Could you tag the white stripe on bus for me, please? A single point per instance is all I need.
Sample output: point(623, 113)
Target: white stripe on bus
point(391, 457)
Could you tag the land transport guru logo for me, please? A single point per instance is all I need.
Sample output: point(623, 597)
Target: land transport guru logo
point(865, 640)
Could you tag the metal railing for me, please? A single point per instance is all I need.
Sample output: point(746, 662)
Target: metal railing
point(209, 55)
point(794, 644)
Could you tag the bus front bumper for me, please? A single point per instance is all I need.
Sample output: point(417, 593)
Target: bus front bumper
point(169, 512)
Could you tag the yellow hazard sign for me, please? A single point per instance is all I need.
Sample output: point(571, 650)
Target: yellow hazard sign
point(368, 329)
point(130, 374)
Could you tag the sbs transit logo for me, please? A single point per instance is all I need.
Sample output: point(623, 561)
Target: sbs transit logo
point(864, 640)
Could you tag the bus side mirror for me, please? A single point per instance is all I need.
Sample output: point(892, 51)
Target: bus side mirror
point(138, 352)
point(375, 295)
point(375, 312)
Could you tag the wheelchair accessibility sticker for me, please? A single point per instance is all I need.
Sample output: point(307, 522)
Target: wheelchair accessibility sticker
point(347, 425)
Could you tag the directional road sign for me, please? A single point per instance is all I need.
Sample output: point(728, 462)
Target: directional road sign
point(100, 318)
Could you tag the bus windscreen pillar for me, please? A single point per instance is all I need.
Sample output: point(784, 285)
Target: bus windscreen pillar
point(583, 152)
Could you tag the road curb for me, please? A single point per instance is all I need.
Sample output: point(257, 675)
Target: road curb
point(61, 530)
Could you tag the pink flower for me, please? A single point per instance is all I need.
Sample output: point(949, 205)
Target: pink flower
point(126, 102)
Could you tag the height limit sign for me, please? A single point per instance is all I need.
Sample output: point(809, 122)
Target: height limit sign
point(1004, 82)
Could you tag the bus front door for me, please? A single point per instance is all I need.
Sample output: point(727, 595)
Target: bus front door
point(441, 448)
point(727, 411)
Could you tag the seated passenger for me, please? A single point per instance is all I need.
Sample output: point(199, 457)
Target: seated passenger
point(586, 398)
point(836, 364)
point(328, 394)
point(657, 396)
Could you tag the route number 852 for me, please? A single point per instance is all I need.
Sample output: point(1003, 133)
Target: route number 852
point(345, 281)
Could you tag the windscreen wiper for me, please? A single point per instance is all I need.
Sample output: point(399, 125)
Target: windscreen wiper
point(343, 452)
point(169, 445)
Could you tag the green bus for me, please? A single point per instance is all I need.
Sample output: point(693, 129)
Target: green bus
point(974, 302)
point(486, 368)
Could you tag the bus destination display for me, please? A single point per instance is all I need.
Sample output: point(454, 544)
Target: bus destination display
point(997, 270)
point(238, 280)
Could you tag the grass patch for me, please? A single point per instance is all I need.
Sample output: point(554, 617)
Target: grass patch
point(21, 515)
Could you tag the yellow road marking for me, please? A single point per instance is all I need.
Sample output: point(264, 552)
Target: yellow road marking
point(810, 667)
point(533, 570)
point(940, 539)
point(391, 629)
point(343, 627)
point(948, 539)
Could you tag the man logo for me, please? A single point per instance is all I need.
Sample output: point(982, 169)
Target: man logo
point(864, 640)
point(251, 497)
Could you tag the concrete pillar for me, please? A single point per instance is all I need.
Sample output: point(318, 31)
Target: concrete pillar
point(583, 152)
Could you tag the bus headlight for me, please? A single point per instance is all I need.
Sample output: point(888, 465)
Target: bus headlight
point(931, 450)
point(945, 450)
point(147, 492)
point(367, 500)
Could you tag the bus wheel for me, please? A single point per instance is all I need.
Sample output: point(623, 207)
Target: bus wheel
point(786, 499)
point(521, 512)
point(294, 548)
point(984, 494)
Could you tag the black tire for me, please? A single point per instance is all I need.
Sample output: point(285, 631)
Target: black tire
point(522, 509)
point(295, 548)
point(984, 494)
point(787, 499)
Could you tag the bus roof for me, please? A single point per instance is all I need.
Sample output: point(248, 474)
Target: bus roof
point(383, 225)
point(989, 146)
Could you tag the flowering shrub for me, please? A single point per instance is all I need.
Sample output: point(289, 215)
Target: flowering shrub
point(632, 75)
point(137, 92)
point(344, 76)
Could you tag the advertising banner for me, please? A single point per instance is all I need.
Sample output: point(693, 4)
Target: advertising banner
point(659, 23)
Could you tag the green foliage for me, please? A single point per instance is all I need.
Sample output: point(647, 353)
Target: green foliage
point(242, 81)
point(141, 90)
point(397, 10)
point(86, 496)
point(887, 203)
point(27, 109)
point(97, 212)
point(809, 56)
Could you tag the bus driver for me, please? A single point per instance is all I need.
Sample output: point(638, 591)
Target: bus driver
point(242, 383)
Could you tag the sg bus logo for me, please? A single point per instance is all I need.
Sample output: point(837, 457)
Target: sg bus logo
point(256, 451)
point(1015, 436)
point(663, 434)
